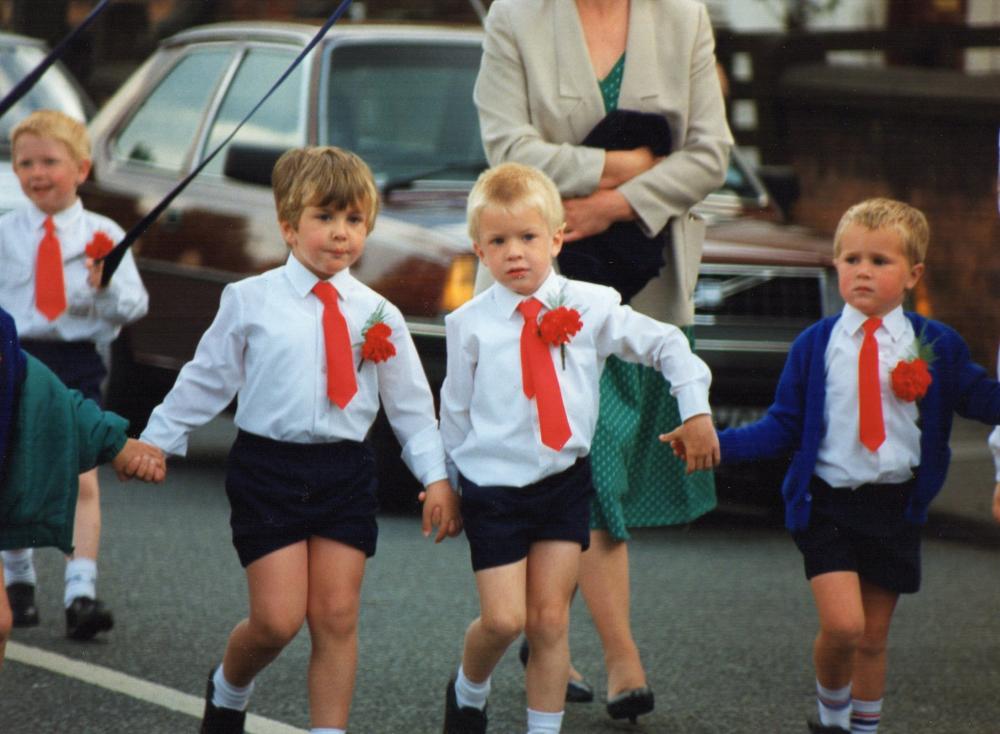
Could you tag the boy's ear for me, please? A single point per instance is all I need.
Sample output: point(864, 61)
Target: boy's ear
point(915, 272)
point(83, 170)
point(479, 251)
point(557, 239)
point(288, 232)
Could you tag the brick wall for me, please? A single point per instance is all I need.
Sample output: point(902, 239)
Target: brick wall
point(925, 137)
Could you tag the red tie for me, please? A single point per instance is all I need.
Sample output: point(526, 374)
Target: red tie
point(539, 377)
point(871, 427)
point(50, 290)
point(341, 384)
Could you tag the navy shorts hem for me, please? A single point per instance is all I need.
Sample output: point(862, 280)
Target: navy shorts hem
point(863, 531)
point(77, 364)
point(281, 493)
point(501, 523)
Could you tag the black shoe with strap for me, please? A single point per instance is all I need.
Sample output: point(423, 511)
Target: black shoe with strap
point(86, 617)
point(577, 691)
point(218, 719)
point(464, 720)
point(631, 704)
point(21, 597)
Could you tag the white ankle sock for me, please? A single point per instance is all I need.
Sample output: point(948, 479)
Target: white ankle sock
point(865, 716)
point(544, 722)
point(327, 731)
point(81, 579)
point(227, 695)
point(834, 706)
point(19, 566)
point(471, 694)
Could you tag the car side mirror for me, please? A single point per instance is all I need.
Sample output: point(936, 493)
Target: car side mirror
point(251, 163)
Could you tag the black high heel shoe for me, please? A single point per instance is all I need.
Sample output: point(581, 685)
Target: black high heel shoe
point(631, 704)
point(577, 691)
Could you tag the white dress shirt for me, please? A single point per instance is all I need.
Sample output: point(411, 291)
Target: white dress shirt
point(266, 346)
point(994, 441)
point(843, 461)
point(490, 429)
point(91, 314)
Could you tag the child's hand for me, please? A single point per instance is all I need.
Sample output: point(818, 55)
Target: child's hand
point(95, 270)
point(695, 442)
point(441, 510)
point(996, 503)
point(141, 460)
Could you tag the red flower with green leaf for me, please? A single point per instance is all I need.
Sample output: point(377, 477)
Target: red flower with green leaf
point(911, 377)
point(559, 325)
point(376, 346)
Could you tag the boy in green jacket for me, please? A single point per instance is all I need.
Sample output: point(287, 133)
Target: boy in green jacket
point(49, 434)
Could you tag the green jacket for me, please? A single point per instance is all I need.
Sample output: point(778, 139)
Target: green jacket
point(57, 435)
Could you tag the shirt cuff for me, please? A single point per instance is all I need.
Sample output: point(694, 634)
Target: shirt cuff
point(424, 456)
point(692, 400)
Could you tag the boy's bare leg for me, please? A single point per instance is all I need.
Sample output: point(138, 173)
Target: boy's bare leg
point(6, 619)
point(553, 567)
point(604, 583)
point(278, 585)
point(501, 619)
point(841, 626)
point(335, 575)
point(868, 683)
point(87, 524)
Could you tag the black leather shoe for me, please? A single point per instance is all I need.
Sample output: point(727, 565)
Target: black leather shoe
point(218, 719)
point(631, 704)
point(577, 691)
point(817, 728)
point(21, 598)
point(86, 617)
point(465, 720)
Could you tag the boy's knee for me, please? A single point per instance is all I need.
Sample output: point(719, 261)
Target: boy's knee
point(339, 618)
point(846, 634)
point(547, 624)
point(276, 632)
point(505, 625)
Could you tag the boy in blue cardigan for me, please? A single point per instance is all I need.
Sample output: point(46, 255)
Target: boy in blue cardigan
point(864, 407)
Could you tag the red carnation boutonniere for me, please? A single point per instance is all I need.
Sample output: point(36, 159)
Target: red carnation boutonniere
point(559, 325)
point(99, 247)
point(376, 346)
point(912, 376)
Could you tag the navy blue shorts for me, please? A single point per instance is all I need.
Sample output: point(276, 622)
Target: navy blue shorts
point(281, 493)
point(77, 364)
point(864, 531)
point(501, 523)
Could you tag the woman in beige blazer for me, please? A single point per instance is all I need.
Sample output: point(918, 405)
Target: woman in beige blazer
point(551, 70)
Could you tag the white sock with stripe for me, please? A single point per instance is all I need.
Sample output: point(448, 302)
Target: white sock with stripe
point(865, 716)
point(834, 706)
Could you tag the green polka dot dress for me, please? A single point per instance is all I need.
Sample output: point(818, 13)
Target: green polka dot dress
point(639, 481)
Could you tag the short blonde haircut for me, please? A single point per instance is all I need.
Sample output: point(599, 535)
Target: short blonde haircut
point(57, 126)
point(881, 213)
point(510, 186)
point(322, 176)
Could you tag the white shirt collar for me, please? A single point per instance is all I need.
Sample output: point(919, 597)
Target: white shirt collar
point(36, 217)
point(893, 322)
point(303, 280)
point(508, 301)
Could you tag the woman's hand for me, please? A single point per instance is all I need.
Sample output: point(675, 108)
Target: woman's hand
point(590, 215)
point(624, 165)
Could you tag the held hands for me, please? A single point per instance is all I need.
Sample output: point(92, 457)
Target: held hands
point(695, 442)
point(140, 460)
point(440, 510)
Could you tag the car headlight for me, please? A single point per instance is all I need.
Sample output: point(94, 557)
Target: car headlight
point(459, 283)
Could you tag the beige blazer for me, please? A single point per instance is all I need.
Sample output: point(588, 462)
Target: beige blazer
point(538, 97)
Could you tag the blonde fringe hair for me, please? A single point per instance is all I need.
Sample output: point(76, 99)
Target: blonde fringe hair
point(512, 185)
point(322, 176)
point(880, 213)
point(58, 126)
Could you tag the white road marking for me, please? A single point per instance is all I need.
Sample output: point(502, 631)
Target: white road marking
point(128, 685)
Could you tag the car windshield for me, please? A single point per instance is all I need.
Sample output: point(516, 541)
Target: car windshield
point(53, 91)
point(405, 108)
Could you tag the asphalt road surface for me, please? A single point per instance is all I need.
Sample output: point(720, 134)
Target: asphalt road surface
point(721, 611)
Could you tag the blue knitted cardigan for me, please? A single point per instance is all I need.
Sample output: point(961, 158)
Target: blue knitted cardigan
point(794, 425)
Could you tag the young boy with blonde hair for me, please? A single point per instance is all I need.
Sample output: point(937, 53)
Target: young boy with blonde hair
point(310, 351)
point(518, 410)
point(50, 282)
point(864, 408)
